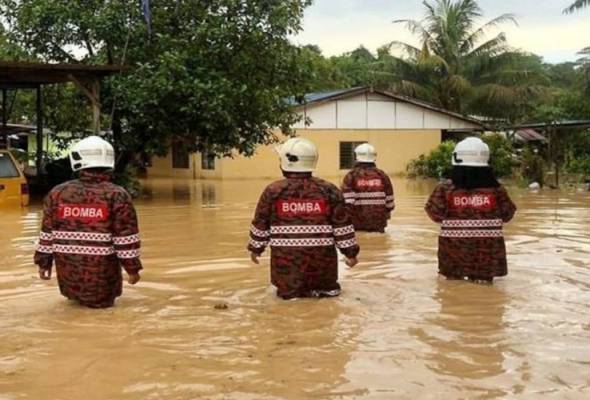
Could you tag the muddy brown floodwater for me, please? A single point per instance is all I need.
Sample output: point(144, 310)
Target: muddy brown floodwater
point(397, 332)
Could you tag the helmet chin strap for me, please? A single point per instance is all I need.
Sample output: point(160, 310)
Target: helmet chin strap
point(457, 160)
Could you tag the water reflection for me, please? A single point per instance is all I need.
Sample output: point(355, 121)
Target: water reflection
point(468, 335)
point(209, 195)
point(181, 192)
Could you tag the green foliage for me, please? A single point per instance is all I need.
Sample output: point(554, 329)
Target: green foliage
point(584, 66)
point(579, 165)
point(437, 164)
point(322, 73)
point(578, 153)
point(356, 68)
point(565, 105)
point(128, 179)
point(564, 75)
point(8, 49)
point(213, 74)
point(577, 5)
point(458, 67)
point(463, 67)
point(501, 155)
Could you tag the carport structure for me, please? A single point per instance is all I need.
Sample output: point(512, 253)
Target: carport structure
point(554, 132)
point(33, 76)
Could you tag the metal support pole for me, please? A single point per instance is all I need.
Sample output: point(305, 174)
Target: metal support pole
point(558, 149)
point(39, 155)
point(4, 108)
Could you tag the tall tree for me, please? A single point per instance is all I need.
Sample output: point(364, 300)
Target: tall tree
point(211, 75)
point(362, 68)
point(458, 67)
point(584, 63)
point(323, 74)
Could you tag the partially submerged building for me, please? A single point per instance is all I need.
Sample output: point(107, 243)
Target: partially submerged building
point(401, 129)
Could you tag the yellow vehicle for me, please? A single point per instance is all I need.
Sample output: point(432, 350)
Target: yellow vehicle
point(14, 190)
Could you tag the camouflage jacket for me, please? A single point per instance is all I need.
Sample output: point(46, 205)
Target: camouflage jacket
point(90, 231)
point(471, 242)
point(369, 194)
point(303, 220)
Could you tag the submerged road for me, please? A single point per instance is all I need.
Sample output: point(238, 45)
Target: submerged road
point(397, 331)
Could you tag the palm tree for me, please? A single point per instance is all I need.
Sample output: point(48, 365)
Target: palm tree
point(458, 67)
point(577, 5)
point(585, 60)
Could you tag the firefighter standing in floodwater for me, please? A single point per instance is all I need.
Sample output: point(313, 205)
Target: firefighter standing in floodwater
point(368, 192)
point(471, 208)
point(303, 219)
point(90, 230)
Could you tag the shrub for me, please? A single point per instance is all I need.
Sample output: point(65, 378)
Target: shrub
point(578, 157)
point(501, 158)
point(128, 179)
point(579, 165)
point(438, 164)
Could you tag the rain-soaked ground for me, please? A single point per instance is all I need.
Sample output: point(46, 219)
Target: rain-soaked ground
point(397, 331)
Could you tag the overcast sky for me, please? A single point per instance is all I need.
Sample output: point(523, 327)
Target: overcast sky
point(338, 26)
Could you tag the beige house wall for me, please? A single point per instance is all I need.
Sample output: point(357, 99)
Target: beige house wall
point(395, 148)
point(162, 168)
point(216, 173)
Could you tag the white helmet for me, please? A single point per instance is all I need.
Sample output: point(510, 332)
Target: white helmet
point(471, 152)
point(92, 152)
point(365, 153)
point(298, 155)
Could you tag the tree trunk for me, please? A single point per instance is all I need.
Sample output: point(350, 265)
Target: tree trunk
point(124, 157)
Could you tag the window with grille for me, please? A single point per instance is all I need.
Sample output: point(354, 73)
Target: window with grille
point(347, 154)
point(180, 156)
point(207, 161)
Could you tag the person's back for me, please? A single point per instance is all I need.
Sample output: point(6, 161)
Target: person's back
point(471, 208)
point(303, 219)
point(90, 231)
point(368, 192)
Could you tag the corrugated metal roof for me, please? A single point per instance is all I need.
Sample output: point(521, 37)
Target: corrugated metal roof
point(529, 135)
point(566, 124)
point(321, 96)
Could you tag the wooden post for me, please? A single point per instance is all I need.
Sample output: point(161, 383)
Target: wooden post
point(4, 109)
point(39, 155)
point(95, 106)
point(4, 131)
point(555, 144)
point(93, 94)
point(557, 161)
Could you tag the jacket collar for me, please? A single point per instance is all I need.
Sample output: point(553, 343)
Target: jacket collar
point(297, 175)
point(95, 176)
point(365, 165)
